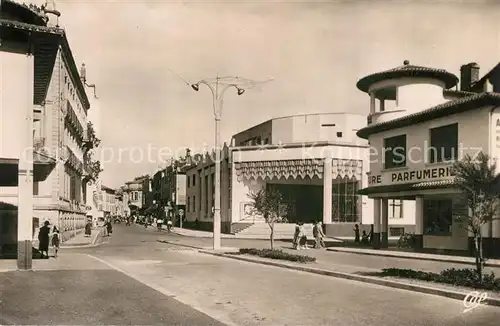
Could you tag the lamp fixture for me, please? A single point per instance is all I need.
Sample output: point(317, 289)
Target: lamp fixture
point(240, 91)
point(196, 87)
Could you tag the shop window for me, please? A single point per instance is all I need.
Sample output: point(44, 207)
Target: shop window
point(438, 217)
point(395, 152)
point(395, 208)
point(444, 143)
point(396, 232)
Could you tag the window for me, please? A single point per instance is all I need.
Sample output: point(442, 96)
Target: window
point(194, 180)
point(444, 143)
point(346, 201)
point(339, 134)
point(395, 152)
point(438, 217)
point(395, 208)
point(206, 195)
point(188, 204)
point(35, 188)
point(266, 141)
point(188, 181)
point(194, 203)
point(396, 232)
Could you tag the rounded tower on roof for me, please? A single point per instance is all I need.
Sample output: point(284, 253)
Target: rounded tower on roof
point(404, 90)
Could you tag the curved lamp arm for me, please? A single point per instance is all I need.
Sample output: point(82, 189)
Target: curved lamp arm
point(217, 95)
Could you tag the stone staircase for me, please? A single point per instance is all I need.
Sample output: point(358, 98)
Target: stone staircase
point(281, 231)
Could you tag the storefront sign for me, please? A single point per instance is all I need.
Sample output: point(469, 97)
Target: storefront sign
point(430, 174)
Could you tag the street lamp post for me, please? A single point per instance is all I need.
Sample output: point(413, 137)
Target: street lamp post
point(217, 97)
point(218, 86)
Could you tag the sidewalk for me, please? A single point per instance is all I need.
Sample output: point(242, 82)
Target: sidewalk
point(345, 265)
point(361, 251)
point(80, 240)
point(205, 234)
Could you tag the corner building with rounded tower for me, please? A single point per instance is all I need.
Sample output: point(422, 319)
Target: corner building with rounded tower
point(419, 123)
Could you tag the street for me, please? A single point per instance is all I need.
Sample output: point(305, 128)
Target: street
point(134, 279)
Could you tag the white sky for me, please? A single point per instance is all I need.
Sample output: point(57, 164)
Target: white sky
point(315, 51)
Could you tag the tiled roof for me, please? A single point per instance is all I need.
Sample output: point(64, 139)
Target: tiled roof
point(438, 111)
point(47, 42)
point(449, 92)
point(397, 188)
point(408, 70)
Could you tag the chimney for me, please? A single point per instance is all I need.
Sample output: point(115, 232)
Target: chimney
point(469, 74)
point(83, 73)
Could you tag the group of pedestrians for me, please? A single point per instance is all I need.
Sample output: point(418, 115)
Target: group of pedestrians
point(46, 235)
point(158, 222)
point(365, 238)
point(300, 237)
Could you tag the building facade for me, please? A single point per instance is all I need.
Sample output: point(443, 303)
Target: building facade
point(138, 193)
point(200, 191)
point(42, 165)
point(316, 161)
point(416, 140)
point(109, 201)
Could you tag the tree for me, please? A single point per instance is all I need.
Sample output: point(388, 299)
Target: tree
point(92, 166)
point(269, 204)
point(478, 181)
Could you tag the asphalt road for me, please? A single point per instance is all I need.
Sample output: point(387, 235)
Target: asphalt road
point(241, 293)
point(135, 280)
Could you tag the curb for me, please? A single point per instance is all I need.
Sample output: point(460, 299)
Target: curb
point(454, 261)
point(93, 244)
point(365, 279)
point(180, 245)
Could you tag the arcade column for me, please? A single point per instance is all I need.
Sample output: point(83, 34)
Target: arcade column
point(327, 191)
point(25, 176)
point(385, 223)
point(419, 222)
point(376, 223)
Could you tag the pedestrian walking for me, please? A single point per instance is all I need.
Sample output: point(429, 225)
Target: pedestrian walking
point(302, 237)
point(169, 226)
point(88, 229)
point(55, 240)
point(296, 236)
point(43, 239)
point(318, 236)
point(159, 223)
point(356, 233)
point(109, 227)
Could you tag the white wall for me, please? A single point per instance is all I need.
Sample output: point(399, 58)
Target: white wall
point(317, 128)
point(472, 136)
point(241, 189)
point(16, 97)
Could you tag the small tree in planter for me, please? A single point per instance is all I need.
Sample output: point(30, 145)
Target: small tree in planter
point(478, 181)
point(269, 204)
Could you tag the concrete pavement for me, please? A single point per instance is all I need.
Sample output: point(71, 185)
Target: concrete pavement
point(80, 240)
point(112, 284)
point(241, 293)
point(76, 289)
point(363, 251)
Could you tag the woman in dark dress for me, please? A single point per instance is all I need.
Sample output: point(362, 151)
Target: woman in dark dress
point(109, 227)
point(43, 239)
point(88, 229)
